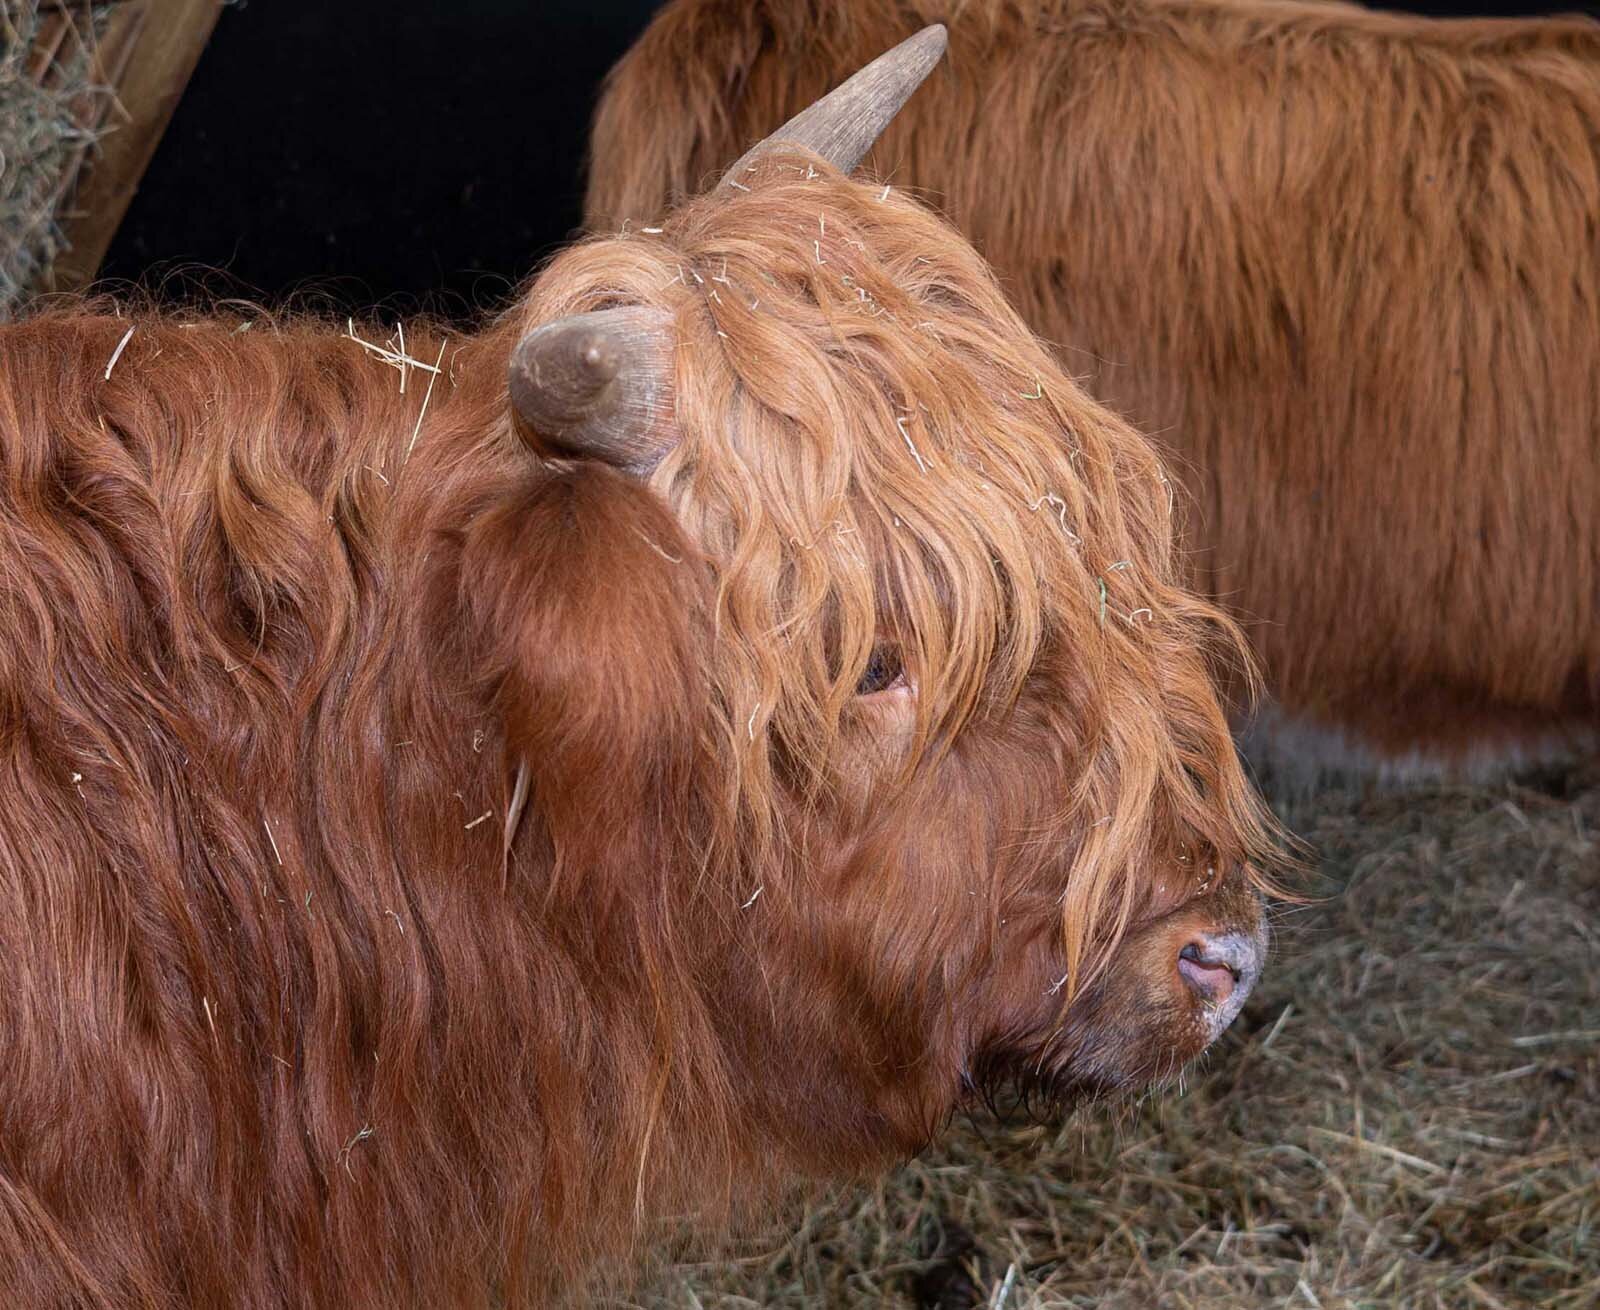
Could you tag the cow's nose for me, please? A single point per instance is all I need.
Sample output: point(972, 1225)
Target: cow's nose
point(1222, 967)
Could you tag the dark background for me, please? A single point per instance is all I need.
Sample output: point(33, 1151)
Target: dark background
point(413, 154)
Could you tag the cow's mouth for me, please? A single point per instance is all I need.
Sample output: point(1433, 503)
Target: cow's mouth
point(1173, 988)
point(1108, 1049)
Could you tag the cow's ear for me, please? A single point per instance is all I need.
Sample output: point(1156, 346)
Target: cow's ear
point(598, 386)
point(587, 607)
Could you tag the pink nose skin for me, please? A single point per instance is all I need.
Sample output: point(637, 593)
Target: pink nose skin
point(1223, 969)
point(1212, 980)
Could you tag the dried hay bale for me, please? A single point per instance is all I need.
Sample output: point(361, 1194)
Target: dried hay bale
point(53, 103)
point(1406, 1115)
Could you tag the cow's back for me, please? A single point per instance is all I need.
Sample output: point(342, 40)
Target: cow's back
point(224, 939)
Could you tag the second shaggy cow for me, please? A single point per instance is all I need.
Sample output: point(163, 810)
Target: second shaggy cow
point(1346, 265)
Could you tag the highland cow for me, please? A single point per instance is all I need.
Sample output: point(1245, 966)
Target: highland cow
point(1346, 264)
point(450, 830)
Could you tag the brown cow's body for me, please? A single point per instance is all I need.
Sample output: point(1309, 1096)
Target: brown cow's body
point(1346, 265)
point(872, 757)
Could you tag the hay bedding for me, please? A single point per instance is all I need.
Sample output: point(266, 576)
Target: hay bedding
point(1406, 1115)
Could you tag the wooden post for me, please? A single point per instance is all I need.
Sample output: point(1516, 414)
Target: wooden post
point(157, 43)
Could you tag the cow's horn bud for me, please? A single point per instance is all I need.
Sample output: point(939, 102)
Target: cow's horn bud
point(599, 386)
point(842, 126)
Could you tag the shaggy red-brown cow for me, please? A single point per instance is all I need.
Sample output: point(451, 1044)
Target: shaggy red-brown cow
point(1345, 263)
point(445, 834)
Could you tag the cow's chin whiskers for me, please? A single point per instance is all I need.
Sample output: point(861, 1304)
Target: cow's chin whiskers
point(1023, 1096)
point(1090, 1063)
point(1020, 1087)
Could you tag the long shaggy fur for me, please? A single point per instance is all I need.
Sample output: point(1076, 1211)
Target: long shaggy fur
point(288, 1016)
point(1346, 265)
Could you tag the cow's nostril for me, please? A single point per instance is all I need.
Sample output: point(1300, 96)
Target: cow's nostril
point(1213, 978)
point(1205, 959)
point(1221, 967)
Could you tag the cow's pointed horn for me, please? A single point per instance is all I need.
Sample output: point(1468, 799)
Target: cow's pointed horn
point(842, 126)
point(599, 386)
